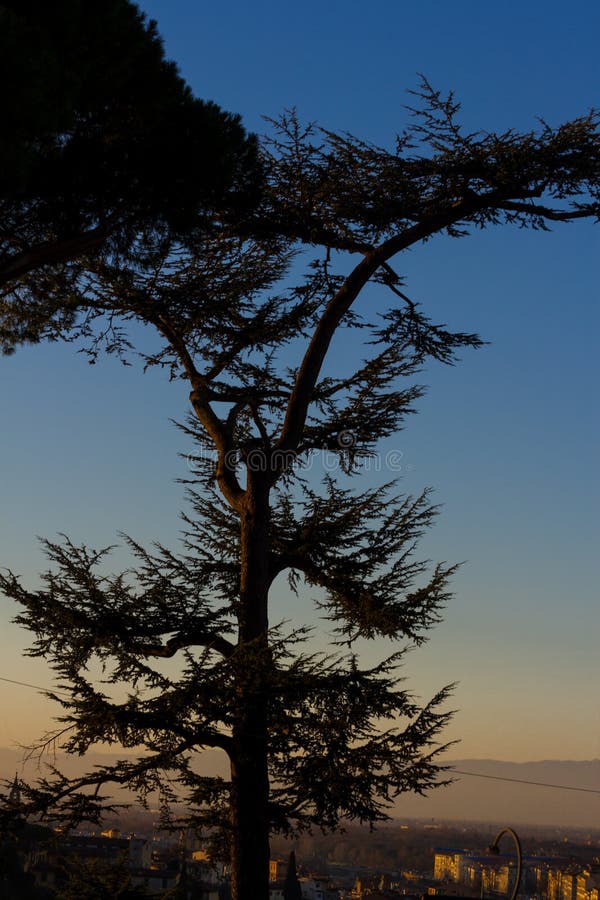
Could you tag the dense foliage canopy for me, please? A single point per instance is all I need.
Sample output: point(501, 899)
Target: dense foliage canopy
point(101, 136)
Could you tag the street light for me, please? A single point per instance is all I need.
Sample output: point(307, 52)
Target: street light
point(494, 848)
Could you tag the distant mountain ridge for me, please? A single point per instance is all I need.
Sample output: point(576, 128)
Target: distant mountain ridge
point(480, 797)
point(477, 796)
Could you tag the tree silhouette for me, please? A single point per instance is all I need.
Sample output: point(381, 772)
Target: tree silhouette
point(246, 313)
point(291, 887)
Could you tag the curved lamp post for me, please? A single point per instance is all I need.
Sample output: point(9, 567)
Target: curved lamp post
point(494, 848)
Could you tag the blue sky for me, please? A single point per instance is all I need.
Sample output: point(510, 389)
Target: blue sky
point(508, 439)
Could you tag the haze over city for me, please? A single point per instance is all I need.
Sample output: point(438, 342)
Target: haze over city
point(508, 438)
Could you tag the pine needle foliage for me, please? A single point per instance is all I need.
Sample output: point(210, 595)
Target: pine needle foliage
point(102, 138)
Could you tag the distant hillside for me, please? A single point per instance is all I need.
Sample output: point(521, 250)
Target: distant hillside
point(484, 799)
point(470, 797)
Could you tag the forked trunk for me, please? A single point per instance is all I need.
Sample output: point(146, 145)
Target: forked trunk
point(249, 764)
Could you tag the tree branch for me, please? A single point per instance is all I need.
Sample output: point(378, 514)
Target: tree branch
point(546, 212)
point(112, 776)
point(341, 302)
point(200, 399)
point(53, 252)
point(224, 472)
point(375, 258)
point(260, 424)
point(181, 641)
point(176, 341)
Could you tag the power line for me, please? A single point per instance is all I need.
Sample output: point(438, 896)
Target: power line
point(561, 787)
point(36, 687)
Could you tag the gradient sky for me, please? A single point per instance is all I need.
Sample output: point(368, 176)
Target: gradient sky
point(508, 439)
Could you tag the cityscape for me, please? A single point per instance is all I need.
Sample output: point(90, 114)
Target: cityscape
point(402, 859)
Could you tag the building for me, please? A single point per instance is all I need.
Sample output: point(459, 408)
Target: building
point(448, 862)
point(588, 883)
point(318, 887)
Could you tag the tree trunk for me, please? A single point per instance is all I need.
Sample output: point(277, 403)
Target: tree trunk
point(249, 763)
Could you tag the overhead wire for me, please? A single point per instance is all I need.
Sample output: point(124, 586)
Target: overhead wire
point(560, 787)
point(36, 687)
